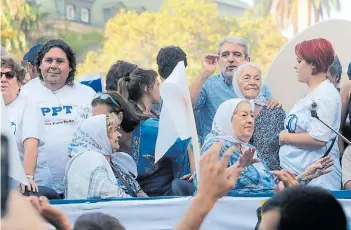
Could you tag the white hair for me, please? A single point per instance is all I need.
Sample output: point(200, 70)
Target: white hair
point(241, 67)
point(235, 40)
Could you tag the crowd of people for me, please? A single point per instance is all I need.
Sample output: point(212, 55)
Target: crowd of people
point(75, 143)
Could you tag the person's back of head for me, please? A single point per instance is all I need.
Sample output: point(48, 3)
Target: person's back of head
point(168, 58)
point(303, 208)
point(97, 221)
point(134, 87)
point(118, 70)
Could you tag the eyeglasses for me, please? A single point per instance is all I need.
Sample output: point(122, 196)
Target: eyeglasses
point(105, 96)
point(8, 75)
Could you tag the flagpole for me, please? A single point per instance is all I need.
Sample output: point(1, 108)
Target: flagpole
point(194, 141)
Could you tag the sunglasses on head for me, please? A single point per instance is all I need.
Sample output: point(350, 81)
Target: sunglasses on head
point(8, 75)
point(105, 96)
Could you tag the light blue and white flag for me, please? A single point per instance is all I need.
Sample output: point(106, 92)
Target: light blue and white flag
point(93, 80)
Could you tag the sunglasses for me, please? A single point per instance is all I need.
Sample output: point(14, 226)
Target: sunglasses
point(8, 75)
point(105, 96)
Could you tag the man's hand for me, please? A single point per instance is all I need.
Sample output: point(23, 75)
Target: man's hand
point(50, 213)
point(272, 104)
point(287, 178)
point(215, 181)
point(317, 169)
point(215, 178)
point(209, 65)
point(20, 214)
point(32, 187)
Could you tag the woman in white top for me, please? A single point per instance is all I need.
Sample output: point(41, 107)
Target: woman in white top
point(91, 173)
point(305, 138)
point(26, 123)
point(64, 104)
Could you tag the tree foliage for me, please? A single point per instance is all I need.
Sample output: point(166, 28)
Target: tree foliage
point(19, 23)
point(191, 24)
point(286, 11)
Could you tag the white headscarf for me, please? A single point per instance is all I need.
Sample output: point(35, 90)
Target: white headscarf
point(222, 123)
point(126, 162)
point(91, 136)
point(260, 99)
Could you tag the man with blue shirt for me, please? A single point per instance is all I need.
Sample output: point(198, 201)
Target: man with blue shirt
point(207, 92)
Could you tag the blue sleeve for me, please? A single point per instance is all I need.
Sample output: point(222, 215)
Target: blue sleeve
point(178, 154)
point(201, 100)
point(267, 92)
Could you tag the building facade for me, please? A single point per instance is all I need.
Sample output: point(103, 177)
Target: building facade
point(96, 13)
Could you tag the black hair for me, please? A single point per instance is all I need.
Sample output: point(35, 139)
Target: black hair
point(130, 120)
point(117, 71)
point(167, 59)
point(58, 43)
point(305, 208)
point(132, 87)
point(97, 221)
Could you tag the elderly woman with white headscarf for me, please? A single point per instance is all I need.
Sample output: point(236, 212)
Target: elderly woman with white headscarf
point(234, 125)
point(91, 173)
point(247, 84)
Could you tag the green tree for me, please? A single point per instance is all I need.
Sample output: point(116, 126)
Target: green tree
point(20, 22)
point(191, 24)
point(286, 11)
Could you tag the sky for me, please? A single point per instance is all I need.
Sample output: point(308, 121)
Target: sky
point(345, 11)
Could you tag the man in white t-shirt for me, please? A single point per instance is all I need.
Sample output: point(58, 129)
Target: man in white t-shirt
point(63, 104)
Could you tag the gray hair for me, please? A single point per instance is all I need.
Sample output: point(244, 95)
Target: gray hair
point(235, 40)
point(335, 68)
point(241, 67)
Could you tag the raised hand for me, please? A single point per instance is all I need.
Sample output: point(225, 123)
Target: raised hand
point(216, 180)
point(50, 213)
point(287, 179)
point(317, 169)
point(209, 65)
point(247, 157)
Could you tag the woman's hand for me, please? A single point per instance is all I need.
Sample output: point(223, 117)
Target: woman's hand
point(188, 177)
point(272, 104)
point(317, 169)
point(32, 187)
point(141, 193)
point(247, 157)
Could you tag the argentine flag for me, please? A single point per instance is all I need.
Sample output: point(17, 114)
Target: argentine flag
point(93, 80)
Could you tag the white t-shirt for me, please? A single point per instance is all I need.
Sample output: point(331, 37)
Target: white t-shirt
point(299, 120)
point(63, 110)
point(30, 85)
point(26, 122)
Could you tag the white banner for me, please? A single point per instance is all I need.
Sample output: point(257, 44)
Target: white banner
point(228, 213)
